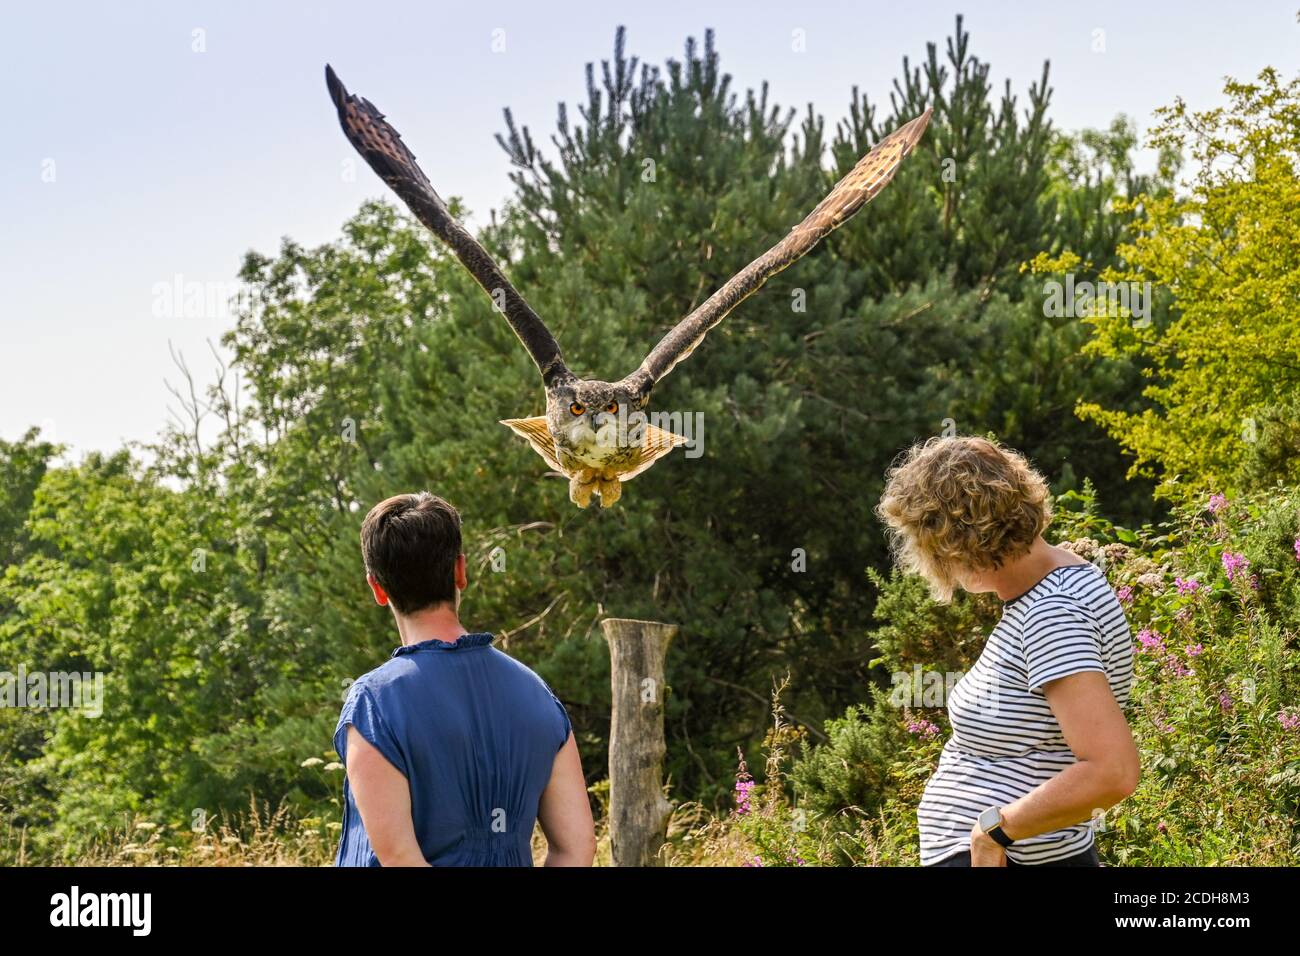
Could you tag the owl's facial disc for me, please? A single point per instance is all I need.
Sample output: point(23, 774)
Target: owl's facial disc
point(592, 417)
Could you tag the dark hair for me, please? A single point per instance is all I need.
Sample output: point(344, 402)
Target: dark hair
point(410, 543)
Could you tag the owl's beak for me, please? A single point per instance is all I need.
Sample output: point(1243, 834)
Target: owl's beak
point(607, 433)
point(581, 432)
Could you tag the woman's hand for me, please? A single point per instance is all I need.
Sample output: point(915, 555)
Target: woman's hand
point(984, 850)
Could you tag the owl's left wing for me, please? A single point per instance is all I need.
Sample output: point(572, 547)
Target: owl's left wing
point(655, 443)
point(862, 184)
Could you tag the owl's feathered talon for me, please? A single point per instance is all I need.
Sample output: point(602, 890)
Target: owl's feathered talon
point(610, 490)
point(580, 491)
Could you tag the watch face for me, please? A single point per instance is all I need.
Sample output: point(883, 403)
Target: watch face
point(989, 819)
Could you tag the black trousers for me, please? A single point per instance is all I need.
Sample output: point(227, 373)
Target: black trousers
point(1087, 858)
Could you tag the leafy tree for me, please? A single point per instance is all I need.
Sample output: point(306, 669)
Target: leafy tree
point(22, 465)
point(1224, 367)
point(980, 201)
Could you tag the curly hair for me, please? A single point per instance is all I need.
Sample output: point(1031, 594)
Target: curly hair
point(961, 503)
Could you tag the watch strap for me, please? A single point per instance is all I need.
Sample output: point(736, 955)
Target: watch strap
point(999, 834)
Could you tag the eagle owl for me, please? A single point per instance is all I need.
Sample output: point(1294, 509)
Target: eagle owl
point(597, 433)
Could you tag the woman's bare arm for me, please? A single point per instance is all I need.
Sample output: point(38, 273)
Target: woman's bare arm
point(383, 798)
point(1107, 767)
point(565, 812)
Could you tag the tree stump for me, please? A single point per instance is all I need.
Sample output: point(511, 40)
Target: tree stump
point(638, 809)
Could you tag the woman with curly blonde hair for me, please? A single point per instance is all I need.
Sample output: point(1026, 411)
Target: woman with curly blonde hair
point(1039, 740)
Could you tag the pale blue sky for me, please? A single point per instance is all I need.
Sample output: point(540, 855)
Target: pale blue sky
point(166, 161)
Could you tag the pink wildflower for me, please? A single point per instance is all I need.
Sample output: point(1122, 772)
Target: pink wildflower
point(1151, 641)
point(743, 787)
point(922, 727)
point(1234, 563)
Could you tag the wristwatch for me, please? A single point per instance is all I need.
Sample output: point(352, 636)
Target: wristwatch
point(990, 822)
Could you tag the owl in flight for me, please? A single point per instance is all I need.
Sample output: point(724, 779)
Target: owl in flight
point(585, 433)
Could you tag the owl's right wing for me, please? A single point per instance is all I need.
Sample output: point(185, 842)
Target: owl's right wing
point(862, 184)
point(383, 149)
point(539, 437)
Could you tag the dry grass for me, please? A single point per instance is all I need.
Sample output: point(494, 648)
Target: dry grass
point(259, 837)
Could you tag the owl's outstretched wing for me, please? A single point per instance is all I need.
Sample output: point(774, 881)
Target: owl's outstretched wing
point(383, 149)
point(539, 436)
point(871, 174)
point(655, 443)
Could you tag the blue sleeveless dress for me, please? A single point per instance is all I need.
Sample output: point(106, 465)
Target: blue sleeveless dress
point(474, 731)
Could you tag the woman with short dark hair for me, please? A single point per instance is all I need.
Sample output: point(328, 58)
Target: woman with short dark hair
point(453, 749)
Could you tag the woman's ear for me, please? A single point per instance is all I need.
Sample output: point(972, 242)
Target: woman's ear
point(381, 596)
point(462, 581)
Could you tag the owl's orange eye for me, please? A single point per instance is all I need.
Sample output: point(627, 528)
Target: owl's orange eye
point(612, 408)
point(577, 408)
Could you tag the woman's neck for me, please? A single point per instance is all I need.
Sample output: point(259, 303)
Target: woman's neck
point(441, 623)
point(1020, 575)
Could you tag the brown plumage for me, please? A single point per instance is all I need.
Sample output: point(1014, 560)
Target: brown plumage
point(584, 433)
point(858, 187)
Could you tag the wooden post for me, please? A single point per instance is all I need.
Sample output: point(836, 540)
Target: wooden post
point(638, 809)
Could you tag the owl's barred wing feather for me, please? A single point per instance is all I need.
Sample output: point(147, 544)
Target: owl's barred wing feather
point(539, 436)
point(862, 184)
point(655, 443)
point(383, 149)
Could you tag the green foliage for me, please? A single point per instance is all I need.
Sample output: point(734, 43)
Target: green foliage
point(852, 769)
point(1222, 367)
point(22, 466)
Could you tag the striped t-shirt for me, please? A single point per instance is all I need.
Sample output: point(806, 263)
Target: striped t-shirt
point(1005, 739)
